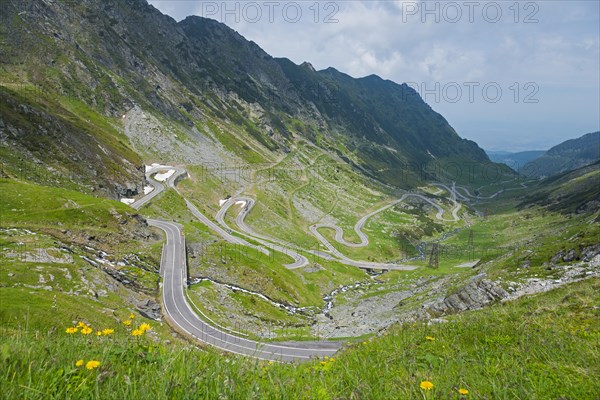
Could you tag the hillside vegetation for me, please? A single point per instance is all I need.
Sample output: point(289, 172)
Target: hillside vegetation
point(539, 347)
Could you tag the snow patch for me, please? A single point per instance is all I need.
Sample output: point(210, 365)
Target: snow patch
point(241, 202)
point(148, 189)
point(221, 202)
point(156, 166)
point(127, 201)
point(161, 177)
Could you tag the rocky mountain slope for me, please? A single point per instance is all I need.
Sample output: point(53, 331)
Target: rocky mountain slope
point(92, 62)
point(572, 192)
point(568, 156)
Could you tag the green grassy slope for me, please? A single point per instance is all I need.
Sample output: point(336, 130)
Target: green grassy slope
point(569, 192)
point(64, 254)
point(539, 347)
point(67, 214)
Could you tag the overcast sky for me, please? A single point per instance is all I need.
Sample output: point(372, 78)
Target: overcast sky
point(509, 75)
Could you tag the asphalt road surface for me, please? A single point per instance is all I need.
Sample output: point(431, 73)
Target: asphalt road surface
point(299, 260)
point(181, 315)
point(158, 186)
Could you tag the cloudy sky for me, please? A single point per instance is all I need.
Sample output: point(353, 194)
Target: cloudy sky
point(510, 75)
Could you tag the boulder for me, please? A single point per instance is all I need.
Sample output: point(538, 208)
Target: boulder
point(150, 309)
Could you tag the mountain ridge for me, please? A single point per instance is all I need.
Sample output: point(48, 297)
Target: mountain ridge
point(197, 70)
point(568, 156)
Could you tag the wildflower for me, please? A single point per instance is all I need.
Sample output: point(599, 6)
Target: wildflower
point(79, 363)
point(127, 322)
point(323, 362)
point(99, 333)
point(145, 327)
point(426, 385)
point(81, 324)
point(86, 331)
point(71, 330)
point(131, 316)
point(107, 331)
point(462, 391)
point(365, 343)
point(332, 359)
point(430, 338)
point(137, 332)
point(270, 362)
point(92, 364)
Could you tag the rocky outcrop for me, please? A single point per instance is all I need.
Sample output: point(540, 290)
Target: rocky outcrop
point(150, 309)
point(586, 254)
point(128, 189)
point(472, 296)
point(590, 252)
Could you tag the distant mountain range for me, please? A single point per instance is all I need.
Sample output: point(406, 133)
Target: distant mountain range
point(567, 156)
point(514, 160)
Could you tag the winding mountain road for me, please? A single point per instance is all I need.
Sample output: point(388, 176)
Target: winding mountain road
point(171, 181)
point(248, 203)
point(364, 239)
point(174, 270)
point(181, 315)
point(286, 248)
point(339, 234)
point(158, 187)
point(333, 254)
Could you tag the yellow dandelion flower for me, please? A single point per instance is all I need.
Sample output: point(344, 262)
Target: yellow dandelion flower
point(99, 333)
point(431, 338)
point(79, 363)
point(86, 331)
point(137, 332)
point(332, 359)
point(145, 327)
point(270, 362)
point(426, 385)
point(81, 324)
point(325, 357)
point(323, 362)
point(365, 343)
point(92, 364)
point(131, 316)
point(107, 331)
point(127, 322)
point(464, 392)
point(71, 330)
